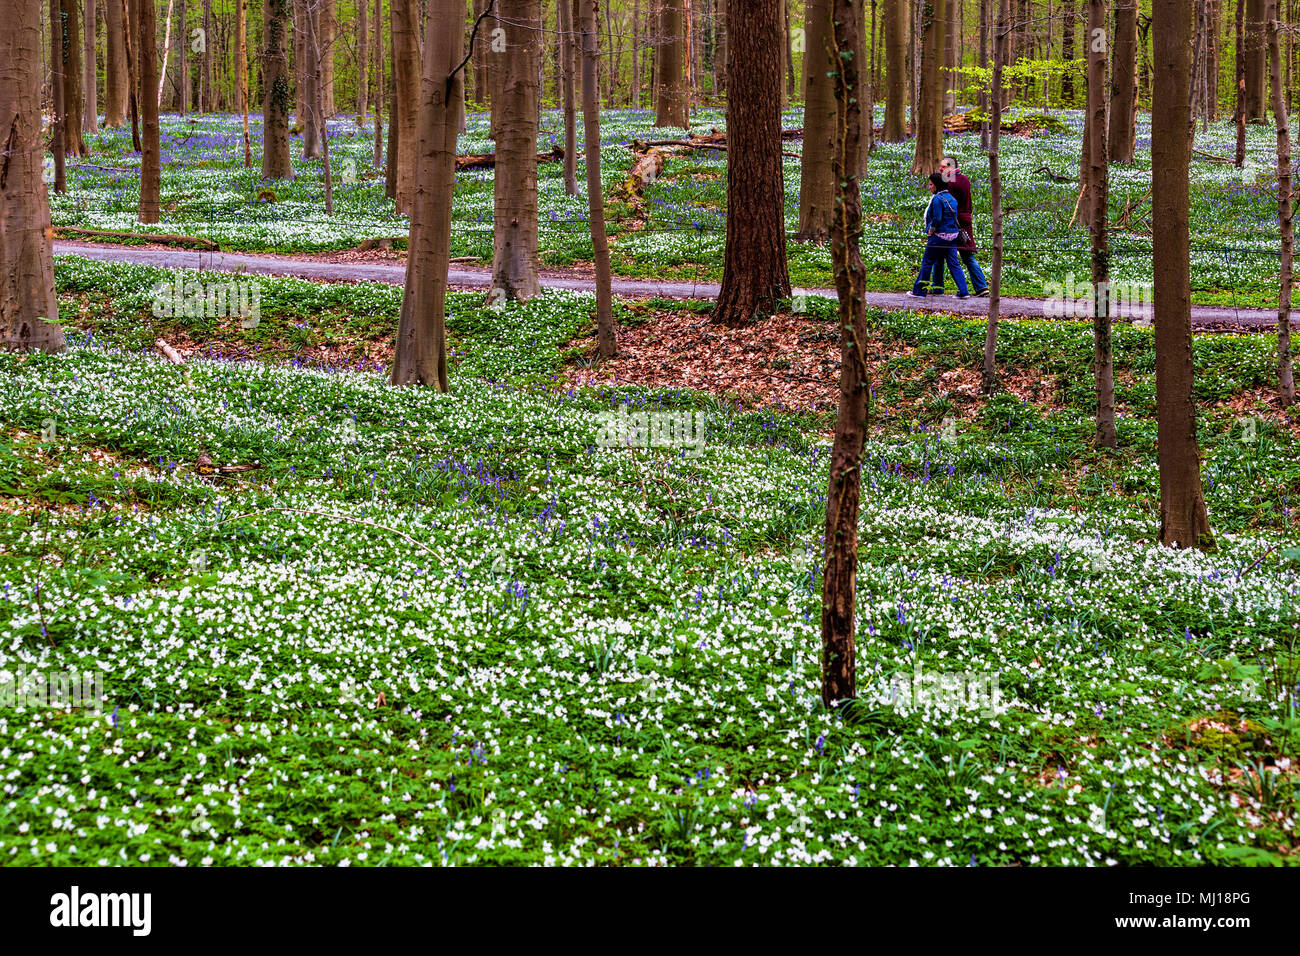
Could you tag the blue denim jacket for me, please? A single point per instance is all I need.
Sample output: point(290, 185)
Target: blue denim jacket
point(941, 214)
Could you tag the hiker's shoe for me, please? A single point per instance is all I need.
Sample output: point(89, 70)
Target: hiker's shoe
point(963, 295)
point(915, 295)
point(982, 294)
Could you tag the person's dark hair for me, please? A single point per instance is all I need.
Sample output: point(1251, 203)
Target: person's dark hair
point(940, 185)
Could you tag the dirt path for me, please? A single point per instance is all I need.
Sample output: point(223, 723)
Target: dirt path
point(1206, 318)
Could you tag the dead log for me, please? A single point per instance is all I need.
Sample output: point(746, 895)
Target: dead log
point(172, 355)
point(489, 160)
point(194, 242)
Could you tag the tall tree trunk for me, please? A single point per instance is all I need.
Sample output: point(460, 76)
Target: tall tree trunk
point(73, 98)
point(1239, 116)
point(406, 82)
point(514, 259)
point(951, 59)
point(132, 67)
point(635, 99)
point(206, 104)
point(90, 115)
point(1067, 51)
point(182, 63)
point(897, 79)
point(670, 107)
point(844, 485)
point(27, 297)
point(59, 123)
point(1256, 78)
point(277, 22)
point(1183, 519)
point(929, 117)
point(1285, 379)
point(326, 36)
point(1123, 98)
point(605, 339)
point(241, 69)
point(363, 60)
point(816, 186)
point(1001, 29)
point(724, 29)
point(299, 62)
point(568, 47)
point(115, 74)
point(378, 73)
point(421, 354)
point(754, 273)
point(146, 48)
point(1098, 190)
point(309, 17)
point(1212, 60)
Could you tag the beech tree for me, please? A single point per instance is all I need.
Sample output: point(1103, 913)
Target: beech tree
point(568, 47)
point(276, 23)
point(421, 354)
point(844, 487)
point(1122, 139)
point(1253, 62)
point(146, 51)
point(115, 68)
point(1285, 380)
point(27, 297)
point(670, 105)
point(816, 188)
point(754, 273)
point(927, 122)
point(514, 189)
point(58, 120)
point(241, 68)
point(73, 143)
point(1184, 522)
point(90, 112)
point(308, 16)
point(605, 339)
point(1001, 30)
point(896, 77)
point(406, 87)
point(1098, 193)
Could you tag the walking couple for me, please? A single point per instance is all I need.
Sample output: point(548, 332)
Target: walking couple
point(948, 224)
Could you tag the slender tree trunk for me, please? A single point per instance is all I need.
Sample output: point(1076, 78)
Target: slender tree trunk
point(636, 58)
point(208, 94)
point(1256, 78)
point(309, 119)
point(379, 83)
point(985, 101)
point(277, 22)
point(1123, 98)
point(1285, 379)
point(951, 58)
point(724, 29)
point(1212, 60)
point(754, 273)
point(568, 47)
point(58, 131)
point(816, 185)
point(1099, 182)
point(147, 70)
point(182, 63)
point(1001, 29)
point(115, 73)
point(1184, 522)
point(670, 107)
point(241, 68)
point(326, 34)
point(27, 297)
point(406, 81)
point(1239, 116)
point(514, 260)
point(896, 72)
point(363, 60)
point(1067, 51)
point(421, 354)
point(929, 118)
point(73, 98)
point(90, 120)
point(133, 88)
point(605, 338)
point(844, 486)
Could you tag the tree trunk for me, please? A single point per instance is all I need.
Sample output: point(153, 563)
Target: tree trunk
point(514, 259)
point(406, 82)
point(721, 53)
point(844, 485)
point(1212, 60)
point(1255, 74)
point(670, 106)
point(58, 125)
point(363, 60)
point(241, 69)
point(1239, 116)
point(208, 90)
point(951, 59)
point(1123, 99)
point(277, 22)
point(378, 72)
point(421, 354)
point(929, 115)
point(182, 63)
point(146, 43)
point(115, 75)
point(635, 98)
point(568, 47)
point(1285, 379)
point(1001, 28)
point(325, 36)
point(27, 297)
point(90, 114)
point(1183, 519)
point(309, 14)
point(1067, 51)
point(132, 67)
point(816, 186)
point(896, 73)
point(1098, 188)
point(73, 99)
point(605, 338)
point(754, 273)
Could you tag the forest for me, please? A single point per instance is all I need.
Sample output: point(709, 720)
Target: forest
point(649, 433)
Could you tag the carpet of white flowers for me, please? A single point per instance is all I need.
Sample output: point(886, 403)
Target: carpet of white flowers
point(207, 192)
point(452, 629)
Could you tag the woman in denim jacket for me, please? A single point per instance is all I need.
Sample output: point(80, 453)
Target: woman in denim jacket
point(944, 232)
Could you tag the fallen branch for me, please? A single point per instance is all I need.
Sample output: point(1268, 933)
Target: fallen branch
point(1054, 177)
point(489, 160)
point(206, 245)
point(1212, 158)
point(172, 355)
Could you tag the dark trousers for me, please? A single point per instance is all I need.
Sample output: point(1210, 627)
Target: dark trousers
point(937, 252)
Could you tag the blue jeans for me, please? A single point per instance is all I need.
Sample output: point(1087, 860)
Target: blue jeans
point(968, 260)
point(937, 252)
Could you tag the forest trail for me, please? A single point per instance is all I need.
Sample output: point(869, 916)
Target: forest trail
point(1204, 318)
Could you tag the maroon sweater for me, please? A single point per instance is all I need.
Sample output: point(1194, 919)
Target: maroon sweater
point(960, 189)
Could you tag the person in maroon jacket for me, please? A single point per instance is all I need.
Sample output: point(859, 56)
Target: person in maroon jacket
point(959, 186)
